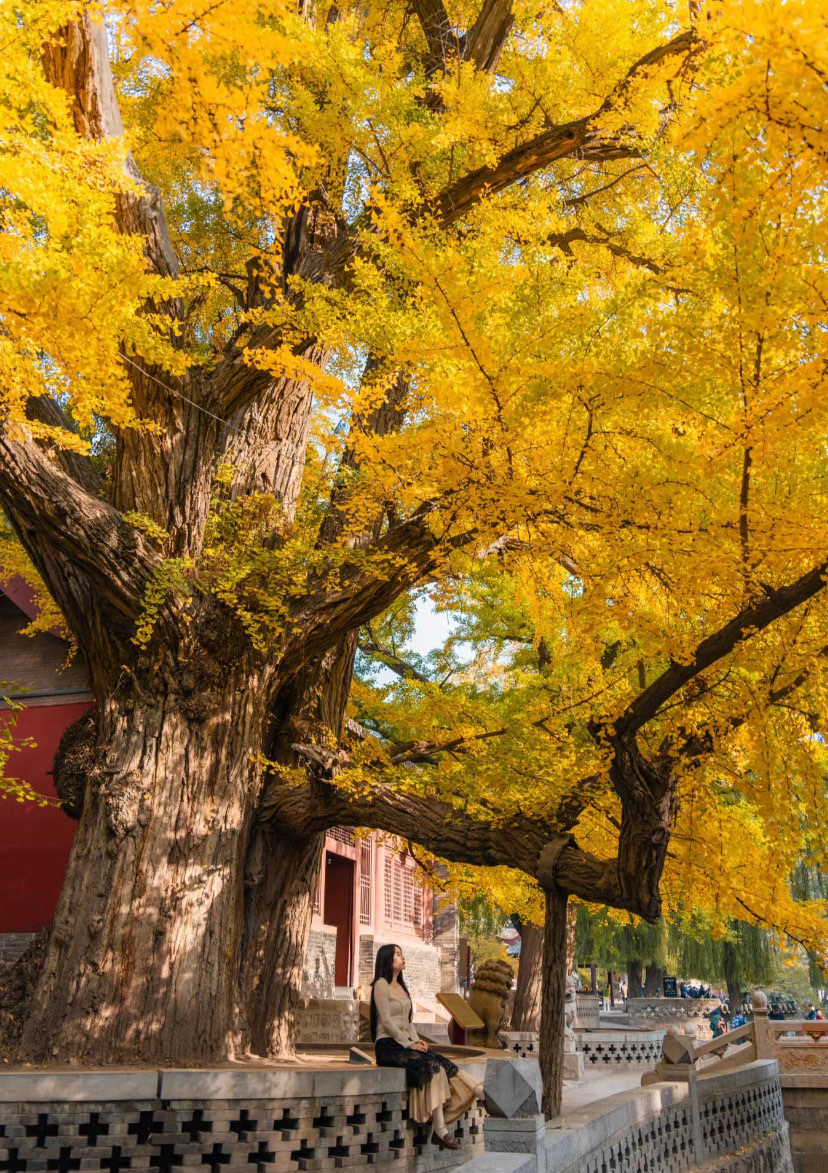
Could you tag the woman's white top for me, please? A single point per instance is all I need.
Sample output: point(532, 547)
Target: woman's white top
point(393, 1012)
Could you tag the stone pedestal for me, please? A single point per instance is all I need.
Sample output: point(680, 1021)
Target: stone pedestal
point(526, 1134)
point(513, 1088)
point(573, 1065)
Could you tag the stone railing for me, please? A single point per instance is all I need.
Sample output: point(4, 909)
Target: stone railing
point(733, 1122)
point(265, 1120)
point(799, 1046)
point(619, 1050)
point(730, 1122)
point(649, 1013)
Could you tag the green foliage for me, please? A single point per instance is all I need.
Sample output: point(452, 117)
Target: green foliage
point(481, 923)
point(11, 786)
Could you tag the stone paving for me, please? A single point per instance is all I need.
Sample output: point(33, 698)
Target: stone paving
point(601, 1085)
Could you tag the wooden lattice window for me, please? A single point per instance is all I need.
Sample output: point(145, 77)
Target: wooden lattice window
point(403, 897)
point(366, 876)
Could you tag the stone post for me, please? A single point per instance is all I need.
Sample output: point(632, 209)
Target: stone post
point(573, 1058)
point(515, 1123)
point(678, 1065)
point(762, 1041)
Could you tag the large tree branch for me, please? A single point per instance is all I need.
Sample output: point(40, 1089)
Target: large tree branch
point(370, 646)
point(45, 410)
point(582, 137)
point(484, 41)
point(406, 555)
point(441, 39)
point(237, 384)
point(78, 62)
point(516, 841)
point(754, 618)
point(71, 535)
point(482, 44)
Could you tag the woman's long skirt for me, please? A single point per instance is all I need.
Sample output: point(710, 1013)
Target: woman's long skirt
point(432, 1080)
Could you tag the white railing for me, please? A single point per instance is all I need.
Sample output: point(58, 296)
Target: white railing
point(672, 1127)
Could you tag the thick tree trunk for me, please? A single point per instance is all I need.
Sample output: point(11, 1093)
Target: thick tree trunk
point(280, 883)
point(571, 934)
point(143, 959)
point(731, 971)
point(635, 974)
point(527, 1008)
point(653, 980)
point(553, 1018)
point(282, 872)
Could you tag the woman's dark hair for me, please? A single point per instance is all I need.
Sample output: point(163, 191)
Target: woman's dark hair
point(384, 968)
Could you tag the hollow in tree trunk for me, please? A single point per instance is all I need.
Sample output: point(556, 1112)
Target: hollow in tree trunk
point(527, 1007)
point(553, 1018)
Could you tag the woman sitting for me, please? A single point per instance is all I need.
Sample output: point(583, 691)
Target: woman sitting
point(437, 1090)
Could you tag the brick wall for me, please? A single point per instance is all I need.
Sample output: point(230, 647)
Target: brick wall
point(423, 974)
point(447, 940)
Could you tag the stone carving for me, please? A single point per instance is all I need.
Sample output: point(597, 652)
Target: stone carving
point(677, 1047)
point(327, 1020)
point(660, 1012)
point(800, 1058)
point(588, 1010)
point(487, 998)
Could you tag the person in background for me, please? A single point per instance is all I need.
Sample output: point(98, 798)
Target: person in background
point(818, 1016)
point(738, 1020)
point(811, 1015)
point(776, 1014)
point(438, 1091)
point(717, 1025)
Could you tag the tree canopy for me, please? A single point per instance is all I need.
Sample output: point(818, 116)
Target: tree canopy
point(304, 308)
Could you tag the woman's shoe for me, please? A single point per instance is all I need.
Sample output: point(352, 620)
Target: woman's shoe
point(445, 1142)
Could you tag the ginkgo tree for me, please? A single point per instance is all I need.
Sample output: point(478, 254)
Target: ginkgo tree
point(351, 299)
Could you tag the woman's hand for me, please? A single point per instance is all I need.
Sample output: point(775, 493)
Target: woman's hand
point(419, 1046)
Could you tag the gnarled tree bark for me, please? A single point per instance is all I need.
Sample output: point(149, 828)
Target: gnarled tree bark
point(553, 999)
point(527, 1005)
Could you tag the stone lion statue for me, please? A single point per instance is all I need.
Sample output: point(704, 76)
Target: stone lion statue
point(487, 997)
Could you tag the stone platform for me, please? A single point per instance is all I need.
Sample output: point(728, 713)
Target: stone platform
point(266, 1119)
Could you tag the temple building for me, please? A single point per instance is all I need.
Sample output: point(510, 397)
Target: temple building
point(370, 891)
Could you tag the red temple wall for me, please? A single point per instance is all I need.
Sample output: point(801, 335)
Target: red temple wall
point(35, 841)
